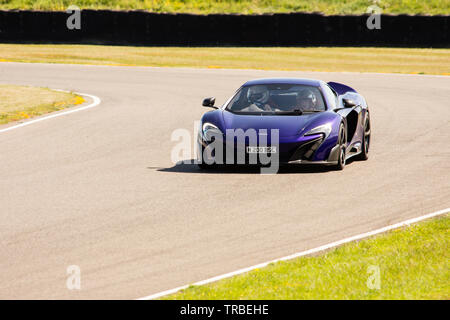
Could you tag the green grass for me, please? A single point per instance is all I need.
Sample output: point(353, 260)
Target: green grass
point(20, 102)
point(413, 264)
point(391, 60)
point(240, 6)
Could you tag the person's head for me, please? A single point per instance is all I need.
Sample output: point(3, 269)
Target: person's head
point(306, 99)
point(258, 94)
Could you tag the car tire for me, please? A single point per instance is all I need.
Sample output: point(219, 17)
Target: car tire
point(341, 142)
point(202, 164)
point(366, 140)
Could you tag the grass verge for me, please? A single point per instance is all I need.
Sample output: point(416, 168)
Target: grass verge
point(20, 102)
point(390, 60)
point(413, 263)
point(240, 6)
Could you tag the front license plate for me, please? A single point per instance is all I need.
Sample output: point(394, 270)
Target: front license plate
point(261, 149)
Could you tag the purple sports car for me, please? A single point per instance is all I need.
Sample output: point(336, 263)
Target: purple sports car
point(292, 120)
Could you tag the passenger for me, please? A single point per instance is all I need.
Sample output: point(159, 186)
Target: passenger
point(307, 100)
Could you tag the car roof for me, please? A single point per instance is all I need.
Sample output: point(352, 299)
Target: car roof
point(308, 82)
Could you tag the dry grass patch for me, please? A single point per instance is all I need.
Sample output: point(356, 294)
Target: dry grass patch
point(20, 102)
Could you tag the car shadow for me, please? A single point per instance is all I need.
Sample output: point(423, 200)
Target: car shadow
point(191, 167)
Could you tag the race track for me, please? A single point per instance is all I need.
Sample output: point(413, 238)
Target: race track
point(97, 188)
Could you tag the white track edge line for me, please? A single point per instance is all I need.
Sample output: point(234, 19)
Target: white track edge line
point(300, 254)
point(96, 102)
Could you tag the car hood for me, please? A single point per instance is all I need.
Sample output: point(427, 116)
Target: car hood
point(288, 125)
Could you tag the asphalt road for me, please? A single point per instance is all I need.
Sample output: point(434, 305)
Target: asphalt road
point(97, 188)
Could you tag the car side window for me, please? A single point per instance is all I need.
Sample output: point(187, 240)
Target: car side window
point(331, 96)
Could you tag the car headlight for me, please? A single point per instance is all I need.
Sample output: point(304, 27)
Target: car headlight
point(209, 131)
point(325, 129)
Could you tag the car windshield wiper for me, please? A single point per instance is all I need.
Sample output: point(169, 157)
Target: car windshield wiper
point(297, 112)
point(312, 111)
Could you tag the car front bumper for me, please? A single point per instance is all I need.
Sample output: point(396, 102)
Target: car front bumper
point(303, 150)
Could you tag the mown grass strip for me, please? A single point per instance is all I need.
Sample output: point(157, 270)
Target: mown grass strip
point(412, 263)
point(385, 60)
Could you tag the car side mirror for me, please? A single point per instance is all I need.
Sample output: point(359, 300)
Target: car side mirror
point(209, 102)
point(348, 103)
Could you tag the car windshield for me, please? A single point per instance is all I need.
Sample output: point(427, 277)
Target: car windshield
point(277, 99)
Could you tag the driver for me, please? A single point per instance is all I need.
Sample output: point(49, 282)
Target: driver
point(259, 99)
point(306, 100)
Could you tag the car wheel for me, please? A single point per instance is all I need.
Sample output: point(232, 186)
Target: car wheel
point(202, 164)
point(205, 166)
point(366, 141)
point(342, 142)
